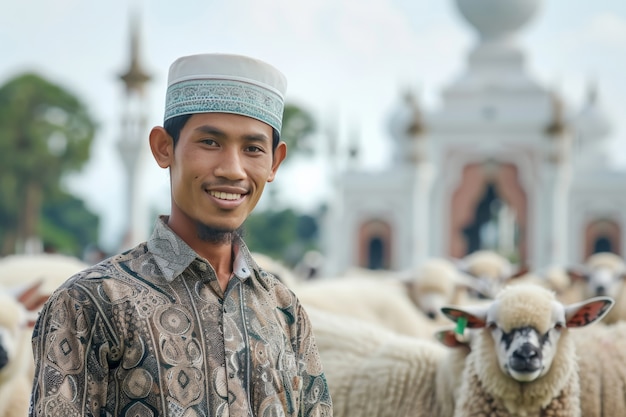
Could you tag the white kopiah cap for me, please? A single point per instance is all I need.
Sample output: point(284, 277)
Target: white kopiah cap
point(225, 83)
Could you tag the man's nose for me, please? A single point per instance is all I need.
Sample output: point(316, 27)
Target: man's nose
point(230, 165)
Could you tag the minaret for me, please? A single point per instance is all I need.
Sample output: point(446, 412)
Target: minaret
point(558, 181)
point(133, 139)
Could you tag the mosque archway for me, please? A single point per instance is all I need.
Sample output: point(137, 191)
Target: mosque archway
point(488, 211)
point(375, 245)
point(602, 235)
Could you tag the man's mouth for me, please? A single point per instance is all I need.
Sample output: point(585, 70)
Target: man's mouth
point(225, 196)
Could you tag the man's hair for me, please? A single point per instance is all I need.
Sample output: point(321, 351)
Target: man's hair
point(174, 125)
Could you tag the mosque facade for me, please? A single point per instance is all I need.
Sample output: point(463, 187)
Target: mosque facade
point(504, 163)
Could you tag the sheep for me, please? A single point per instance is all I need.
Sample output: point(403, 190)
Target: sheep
point(602, 369)
point(374, 372)
point(490, 271)
point(51, 269)
point(384, 302)
point(555, 278)
point(16, 360)
point(277, 268)
point(603, 274)
point(523, 361)
point(435, 283)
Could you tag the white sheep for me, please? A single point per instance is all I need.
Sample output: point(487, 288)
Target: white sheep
point(16, 357)
point(603, 274)
point(277, 268)
point(376, 300)
point(50, 269)
point(491, 271)
point(435, 283)
point(374, 372)
point(602, 369)
point(523, 361)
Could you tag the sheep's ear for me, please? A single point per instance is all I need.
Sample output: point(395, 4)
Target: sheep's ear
point(480, 287)
point(520, 271)
point(450, 338)
point(588, 311)
point(461, 264)
point(475, 317)
point(577, 273)
point(30, 296)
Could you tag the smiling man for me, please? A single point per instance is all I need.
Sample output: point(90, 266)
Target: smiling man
point(187, 324)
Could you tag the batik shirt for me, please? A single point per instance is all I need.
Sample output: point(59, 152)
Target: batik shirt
point(151, 333)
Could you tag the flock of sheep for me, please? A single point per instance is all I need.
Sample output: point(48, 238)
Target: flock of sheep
point(476, 336)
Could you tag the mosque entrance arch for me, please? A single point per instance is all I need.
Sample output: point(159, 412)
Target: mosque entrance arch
point(488, 210)
point(602, 235)
point(374, 250)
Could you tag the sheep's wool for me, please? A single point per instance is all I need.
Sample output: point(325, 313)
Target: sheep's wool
point(524, 305)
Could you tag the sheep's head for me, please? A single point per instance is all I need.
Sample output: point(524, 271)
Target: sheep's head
point(489, 271)
point(526, 323)
point(432, 285)
point(603, 274)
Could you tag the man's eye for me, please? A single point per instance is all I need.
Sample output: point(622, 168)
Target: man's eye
point(209, 142)
point(254, 149)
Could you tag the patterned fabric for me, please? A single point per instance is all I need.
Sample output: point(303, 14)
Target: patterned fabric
point(224, 96)
point(150, 333)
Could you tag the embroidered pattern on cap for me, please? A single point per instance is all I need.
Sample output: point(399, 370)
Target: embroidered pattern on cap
point(224, 96)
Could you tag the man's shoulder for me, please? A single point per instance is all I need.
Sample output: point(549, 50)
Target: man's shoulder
point(114, 267)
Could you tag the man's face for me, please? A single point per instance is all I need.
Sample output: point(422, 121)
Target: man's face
point(220, 166)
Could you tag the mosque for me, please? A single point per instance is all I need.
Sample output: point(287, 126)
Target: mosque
point(504, 164)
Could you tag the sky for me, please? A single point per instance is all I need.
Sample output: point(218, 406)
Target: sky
point(346, 61)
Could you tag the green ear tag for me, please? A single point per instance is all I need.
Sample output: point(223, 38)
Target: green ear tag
point(460, 325)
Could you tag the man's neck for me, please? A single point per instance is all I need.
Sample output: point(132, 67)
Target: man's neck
point(218, 254)
point(221, 258)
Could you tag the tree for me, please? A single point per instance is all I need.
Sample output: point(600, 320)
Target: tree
point(67, 226)
point(298, 125)
point(45, 133)
point(284, 234)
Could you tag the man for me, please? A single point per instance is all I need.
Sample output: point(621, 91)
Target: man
point(186, 324)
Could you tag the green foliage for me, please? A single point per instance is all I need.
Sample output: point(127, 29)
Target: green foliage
point(67, 226)
point(284, 235)
point(45, 133)
point(298, 125)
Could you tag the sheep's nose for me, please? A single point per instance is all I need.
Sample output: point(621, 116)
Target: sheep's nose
point(526, 359)
point(4, 357)
point(431, 315)
point(600, 290)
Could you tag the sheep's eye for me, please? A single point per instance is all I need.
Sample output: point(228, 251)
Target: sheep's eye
point(558, 326)
point(492, 325)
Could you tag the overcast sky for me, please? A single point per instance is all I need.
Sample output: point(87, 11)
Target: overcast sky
point(346, 62)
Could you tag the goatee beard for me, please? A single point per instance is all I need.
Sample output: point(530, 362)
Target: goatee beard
point(216, 235)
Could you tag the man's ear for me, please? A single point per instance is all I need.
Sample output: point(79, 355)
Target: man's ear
point(162, 146)
point(279, 156)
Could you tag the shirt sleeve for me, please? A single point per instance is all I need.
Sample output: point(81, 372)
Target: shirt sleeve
point(315, 397)
point(72, 351)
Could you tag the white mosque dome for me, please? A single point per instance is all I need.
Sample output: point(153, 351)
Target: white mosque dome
point(495, 19)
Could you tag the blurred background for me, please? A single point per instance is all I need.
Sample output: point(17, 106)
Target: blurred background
point(407, 121)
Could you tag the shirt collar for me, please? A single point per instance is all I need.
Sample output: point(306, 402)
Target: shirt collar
point(173, 255)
